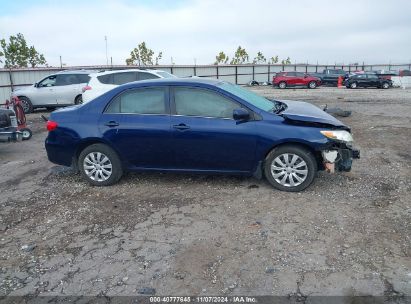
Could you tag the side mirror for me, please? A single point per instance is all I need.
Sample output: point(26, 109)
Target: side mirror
point(241, 114)
point(306, 75)
point(36, 85)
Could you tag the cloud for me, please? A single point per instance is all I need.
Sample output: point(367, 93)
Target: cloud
point(323, 31)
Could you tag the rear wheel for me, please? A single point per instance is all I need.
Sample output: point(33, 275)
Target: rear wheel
point(290, 168)
point(282, 85)
point(78, 100)
point(26, 104)
point(312, 85)
point(100, 165)
point(353, 85)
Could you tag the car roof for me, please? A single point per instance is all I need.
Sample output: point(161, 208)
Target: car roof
point(77, 72)
point(179, 81)
point(151, 71)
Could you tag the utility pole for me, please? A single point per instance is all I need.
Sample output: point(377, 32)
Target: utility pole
point(61, 63)
point(105, 38)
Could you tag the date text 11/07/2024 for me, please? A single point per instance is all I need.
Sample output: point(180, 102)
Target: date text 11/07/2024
point(203, 299)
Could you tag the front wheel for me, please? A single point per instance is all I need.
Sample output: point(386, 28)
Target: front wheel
point(385, 85)
point(290, 168)
point(312, 85)
point(100, 165)
point(353, 85)
point(282, 85)
point(26, 104)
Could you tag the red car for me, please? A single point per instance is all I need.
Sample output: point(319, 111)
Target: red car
point(295, 79)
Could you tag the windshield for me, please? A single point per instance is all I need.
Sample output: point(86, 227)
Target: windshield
point(254, 99)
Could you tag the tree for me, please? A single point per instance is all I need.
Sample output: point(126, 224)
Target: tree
point(17, 54)
point(142, 55)
point(36, 58)
point(274, 59)
point(221, 58)
point(286, 61)
point(240, 56)
point(158, 58)
point(259, 58)
point(1, 55)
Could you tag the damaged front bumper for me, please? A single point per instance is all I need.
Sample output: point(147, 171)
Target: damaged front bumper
point(339, 158)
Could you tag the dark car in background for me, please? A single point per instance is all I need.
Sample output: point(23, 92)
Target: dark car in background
point(330, 76)
point(198, 125)
point(295, 79)
point(366, 80)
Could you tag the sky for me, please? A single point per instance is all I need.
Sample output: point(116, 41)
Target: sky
point(327, 32)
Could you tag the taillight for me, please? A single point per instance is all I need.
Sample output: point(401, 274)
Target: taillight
point(86, 88)
point(51, 125)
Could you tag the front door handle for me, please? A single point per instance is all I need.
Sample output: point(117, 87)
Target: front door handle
point(112, 124)
point(181, 127)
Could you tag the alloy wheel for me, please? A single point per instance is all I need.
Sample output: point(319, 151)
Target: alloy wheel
point(25, 106)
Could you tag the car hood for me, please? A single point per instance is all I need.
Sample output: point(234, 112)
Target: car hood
point(299, 112)
point(22, 88)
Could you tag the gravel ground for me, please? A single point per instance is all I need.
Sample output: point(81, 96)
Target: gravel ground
point(348, 234)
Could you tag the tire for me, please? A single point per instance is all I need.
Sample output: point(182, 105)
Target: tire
point(312, 85)
point(280, 176)
point(94, 156)
point(26, 104)
point(353, 85)
point(385, 85)
point(78, 100)
point(282, 85)
point(27, 134)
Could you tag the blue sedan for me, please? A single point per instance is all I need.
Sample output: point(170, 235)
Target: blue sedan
point(198, 125)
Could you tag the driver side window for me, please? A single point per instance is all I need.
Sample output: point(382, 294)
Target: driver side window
point(203, 103)
point(48, 82)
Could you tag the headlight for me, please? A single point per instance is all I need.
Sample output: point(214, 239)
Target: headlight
point(340, 135)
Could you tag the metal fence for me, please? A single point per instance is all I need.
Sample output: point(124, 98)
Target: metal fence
point(239, 74)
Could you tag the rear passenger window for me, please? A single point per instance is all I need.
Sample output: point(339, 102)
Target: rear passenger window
point(106, 79)
point(141, 101)
point(144, 76)
point(291, 74)
point(122, 78)
point(66, 79)
point(82, 78)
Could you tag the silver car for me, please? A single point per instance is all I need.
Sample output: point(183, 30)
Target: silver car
point(57, 90)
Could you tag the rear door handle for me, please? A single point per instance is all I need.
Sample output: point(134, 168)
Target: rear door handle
point(181, 127)
point(112, 124)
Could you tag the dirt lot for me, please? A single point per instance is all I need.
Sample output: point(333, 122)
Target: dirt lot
point(347, 234)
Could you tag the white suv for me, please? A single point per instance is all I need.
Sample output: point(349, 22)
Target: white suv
point(105, 81)
point(57, 90)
